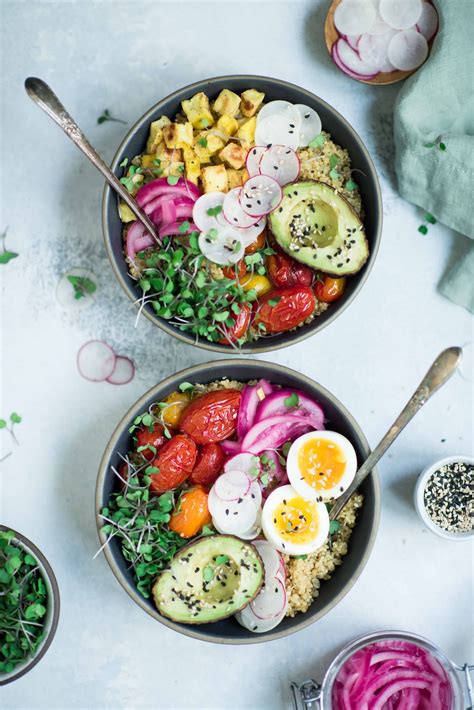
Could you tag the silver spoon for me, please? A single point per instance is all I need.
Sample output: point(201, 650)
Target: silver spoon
point(440, 371)
point(39, 92)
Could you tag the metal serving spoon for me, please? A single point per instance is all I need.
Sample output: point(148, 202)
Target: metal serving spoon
point(39, 92)
point(440, 371)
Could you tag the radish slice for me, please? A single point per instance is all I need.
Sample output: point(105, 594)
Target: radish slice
point(337, 61)
point(252, 161)
point(221, 246)
point(233, 212)
point(280, 129)
point(249, 234)
point(66, 291)
point(310, 125)
point(231, 485)
point(231, 516)
point(272, 560)
point(351, 59)
point(400, 14)
point(249, 464)
point(260, 195)
point(282, 163)
point(278, 108)
point(271, 602)
point(249, 534)
point(353, 17)
point(255, 494)
point(124, 371)
point(208, 201)
point(373, 51)
point(247, 618)
point(428, 22)
point(96, 361)
point(352, 40)
point(407, 50)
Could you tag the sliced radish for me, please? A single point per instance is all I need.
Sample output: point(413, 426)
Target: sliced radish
point(428, 22)
point(260, 195)
point(124, 371)
point(272, 560)
point(337, 61)
point(208, 201)
point(221, 246)
point(278, 108)
point(247, 618)
point(351, 59)
point(250, 534)
point(232, 485)
point(232, 517)
point(255, 494)
point(373, 51)
point(353, 17)
point(280, 129)
point(247, 463)
point(352, 40)
point(252, 161)
point(233, 212)
point(281, 163)
point(400, 14)
point(249, 234)
point(66, 291)
point(407, 50)
point(96, 361)
point(271, 601)
point(310, 125)
point(379, 26)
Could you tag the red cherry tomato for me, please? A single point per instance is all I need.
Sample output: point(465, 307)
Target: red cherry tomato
point(212, 417)
point(155, 438)
point(285, 271)
point(330, 289)
point(209, 464)
point(242, 322)
point(236, 271)
point(285, 308)
point(175, 462)
point(123, 473)
point(259, 243)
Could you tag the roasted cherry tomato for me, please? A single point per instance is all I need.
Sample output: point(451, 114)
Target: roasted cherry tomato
point(178, 401)
point(242, 322)
point(285, 271)
point(330, 289)
point(123, 473)
point(155, 438)
point(212, 417)
point(209, 464)
point(259, 243)
point(257, 283)
point(192, 513)
point(236, 271)
point(285, 307)
point(175, 462)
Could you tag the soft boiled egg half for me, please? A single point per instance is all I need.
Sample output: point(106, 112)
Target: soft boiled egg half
point(321, 465)
point(293, 524)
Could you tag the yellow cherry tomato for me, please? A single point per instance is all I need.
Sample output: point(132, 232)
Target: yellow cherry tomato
point(178, 402)
point(260, 283)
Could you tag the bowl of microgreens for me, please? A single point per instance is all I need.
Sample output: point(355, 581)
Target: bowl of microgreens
point(267, 206)
point(29, 605)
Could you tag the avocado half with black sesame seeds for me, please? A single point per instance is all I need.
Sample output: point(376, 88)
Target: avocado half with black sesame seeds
point(208, 580)
point(318, 227)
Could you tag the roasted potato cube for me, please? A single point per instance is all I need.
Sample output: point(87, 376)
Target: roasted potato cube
point(251, 100)
point(236, 178)
point(214, 178)
point(126, 214)
point(192, 165)
point(178, 135)
point(174, 168)
point(147, 161)
point(228, 125)
point(198, 111)
point(233, 155)
point(227, 103)
point(156, 133)
point(166, 154)
point(247, 130)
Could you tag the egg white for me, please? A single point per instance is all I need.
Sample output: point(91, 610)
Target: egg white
point(295, 475)
point(288, 547)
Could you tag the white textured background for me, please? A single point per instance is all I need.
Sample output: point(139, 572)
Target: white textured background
point(124, 56)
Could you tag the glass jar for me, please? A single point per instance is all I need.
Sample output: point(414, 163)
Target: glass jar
point(311, 695)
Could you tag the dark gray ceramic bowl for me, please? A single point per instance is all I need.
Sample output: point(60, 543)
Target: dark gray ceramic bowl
point(52, 613)
point(342, 133)
point(229, 631)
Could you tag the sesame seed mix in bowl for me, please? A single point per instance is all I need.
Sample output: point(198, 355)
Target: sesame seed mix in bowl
point(448, 497)
point(258, 212)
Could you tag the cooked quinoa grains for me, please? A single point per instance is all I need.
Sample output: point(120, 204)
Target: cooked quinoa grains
point(449, 497)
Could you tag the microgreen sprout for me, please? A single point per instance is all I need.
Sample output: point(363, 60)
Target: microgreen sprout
point(318, 141)
point(9, 426)
point(438, 143)
point(428, 218)
point(5, 254)
point(106, 116)
point(82, 285)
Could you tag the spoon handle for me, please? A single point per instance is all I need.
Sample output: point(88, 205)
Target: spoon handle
point(46, 99)
point(440, 371)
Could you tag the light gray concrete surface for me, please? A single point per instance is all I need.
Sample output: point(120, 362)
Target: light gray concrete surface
point(124, 56)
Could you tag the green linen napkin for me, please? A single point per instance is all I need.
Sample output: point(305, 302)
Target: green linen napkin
point(436, 108)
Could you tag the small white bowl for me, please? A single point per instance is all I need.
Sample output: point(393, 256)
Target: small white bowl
point(419, 498)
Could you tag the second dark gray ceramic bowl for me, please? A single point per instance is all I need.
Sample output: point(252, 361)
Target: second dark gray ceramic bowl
point(343, 134)
point(338, 418)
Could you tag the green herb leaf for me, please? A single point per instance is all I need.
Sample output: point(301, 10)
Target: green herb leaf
point(186, 386)
point(172, 179)
point(183, 227)
point(351, 185)
point(274, 301)
point(292, 401)
point(15, 418)
point(6, 256)
point(429, 218)
point(334, 526)
point(318, 141)
point(202, 142)
point(333, 161)
point(423, 229)
point(214, 211)
point(442, 146)
point(222, 559)
point(124, 163)
point(208, 574)
point(106, 116)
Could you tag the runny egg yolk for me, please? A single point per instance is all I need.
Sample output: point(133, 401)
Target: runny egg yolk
point(296, 519)
point(321, 463)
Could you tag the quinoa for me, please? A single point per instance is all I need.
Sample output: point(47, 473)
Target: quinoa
point(315, 165)
point(304, 576)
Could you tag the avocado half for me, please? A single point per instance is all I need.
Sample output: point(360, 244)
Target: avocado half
point(211, 578)
point(316, 226)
